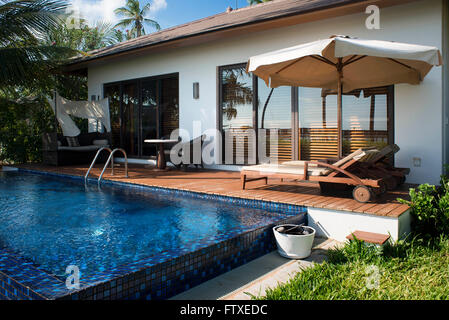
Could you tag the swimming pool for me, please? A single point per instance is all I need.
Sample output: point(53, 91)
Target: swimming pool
point(160, 241)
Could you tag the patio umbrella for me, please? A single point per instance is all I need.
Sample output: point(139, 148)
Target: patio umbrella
point(343, 64)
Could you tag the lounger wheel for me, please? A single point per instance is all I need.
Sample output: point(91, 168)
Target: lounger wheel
point(362, 194)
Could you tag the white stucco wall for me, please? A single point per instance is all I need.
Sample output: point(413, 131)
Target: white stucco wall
point(418, 109)
point(328, 226)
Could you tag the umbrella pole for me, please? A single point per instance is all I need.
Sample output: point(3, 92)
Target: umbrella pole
point(339, 108)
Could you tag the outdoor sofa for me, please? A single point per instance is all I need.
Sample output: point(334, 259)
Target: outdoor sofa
point(57, 151)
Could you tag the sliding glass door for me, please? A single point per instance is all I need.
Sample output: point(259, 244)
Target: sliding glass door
point(143, 109)
point(275, 114)
point(367, 121)
point(318, 132)
point(114, 94)
point(130, 119)
point(149, 116)
point(256, 122)
point(168, 106)
point(237, 115)
point(305, 120)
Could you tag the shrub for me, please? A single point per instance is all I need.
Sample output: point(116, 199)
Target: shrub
point(22, 126)
point(430, 208)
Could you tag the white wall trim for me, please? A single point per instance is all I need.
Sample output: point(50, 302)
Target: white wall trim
point(337, 224)
point(445, 53)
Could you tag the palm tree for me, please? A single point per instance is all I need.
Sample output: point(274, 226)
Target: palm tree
point(23, 26)
point(135, 16)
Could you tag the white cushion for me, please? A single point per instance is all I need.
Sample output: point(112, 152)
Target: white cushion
point(102, 142)
point(82, 148)
point(288, 169)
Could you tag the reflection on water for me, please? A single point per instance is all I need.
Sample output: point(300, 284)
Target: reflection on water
point(58, 222)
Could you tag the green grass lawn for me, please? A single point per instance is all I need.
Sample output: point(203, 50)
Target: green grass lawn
point(407, 270)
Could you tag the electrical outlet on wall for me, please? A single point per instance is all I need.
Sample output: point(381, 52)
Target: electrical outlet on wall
point(417, 161)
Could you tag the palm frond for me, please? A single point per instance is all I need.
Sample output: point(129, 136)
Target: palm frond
point(124, 11)
point(152, 23)
point(145, 9)
point(124, 23)
point(28, 18)
point(28, 64)
point(133, 5)
point(23, 25)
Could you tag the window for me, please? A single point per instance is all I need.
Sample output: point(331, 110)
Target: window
point(143, 109)
point(130, 118)
point(366, 121)
point(113, 92)
point(246, 120)
point(318, 130)
point(276, 114)
point(236, 88)
point(306, 119)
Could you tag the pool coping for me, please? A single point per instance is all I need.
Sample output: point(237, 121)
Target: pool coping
point(55, 288)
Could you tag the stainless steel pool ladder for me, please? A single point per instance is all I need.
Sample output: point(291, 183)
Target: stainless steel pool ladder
point(110, 159)
point(95, 160)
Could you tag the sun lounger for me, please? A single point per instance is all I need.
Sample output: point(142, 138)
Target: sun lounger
point(380, 166)
point(375, 165)
point(340, 173)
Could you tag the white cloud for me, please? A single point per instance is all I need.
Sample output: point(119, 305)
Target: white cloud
point(157, 5)
point(103, 10)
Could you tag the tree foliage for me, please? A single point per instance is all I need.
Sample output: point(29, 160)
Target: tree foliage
point(26, 60)
point(36, 38)
point(430, 208)
point(252, 2)
point(134, 16)
point(83, 38)
point(22, 124)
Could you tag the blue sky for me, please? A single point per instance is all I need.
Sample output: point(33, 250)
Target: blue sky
point(167, 12)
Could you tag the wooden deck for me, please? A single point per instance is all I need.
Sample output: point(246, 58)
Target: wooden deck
point(227, 183)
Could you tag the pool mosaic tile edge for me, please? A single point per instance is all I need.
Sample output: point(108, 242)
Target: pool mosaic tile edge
point(162, 276)
point(254, 203)
point(166, 279)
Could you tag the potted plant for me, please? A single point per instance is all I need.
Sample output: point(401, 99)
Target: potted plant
point(294, 241)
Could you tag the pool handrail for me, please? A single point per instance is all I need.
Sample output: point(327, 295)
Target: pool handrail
point(111, 156)
point(95, 160)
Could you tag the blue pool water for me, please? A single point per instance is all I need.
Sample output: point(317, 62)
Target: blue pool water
point(56, 222)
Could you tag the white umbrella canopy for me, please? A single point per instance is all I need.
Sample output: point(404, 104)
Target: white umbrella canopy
point(360, 63)
point(343, 64)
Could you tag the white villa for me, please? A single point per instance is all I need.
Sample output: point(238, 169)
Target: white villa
point(195, 74)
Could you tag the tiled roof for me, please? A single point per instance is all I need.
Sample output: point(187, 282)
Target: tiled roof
point(226, 20)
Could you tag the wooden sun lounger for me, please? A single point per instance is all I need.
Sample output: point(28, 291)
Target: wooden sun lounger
point(340, 172)
point(379, 166)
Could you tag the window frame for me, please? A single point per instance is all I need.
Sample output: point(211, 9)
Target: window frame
point(296, 148)
point(255, 111)
point(139, 81)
